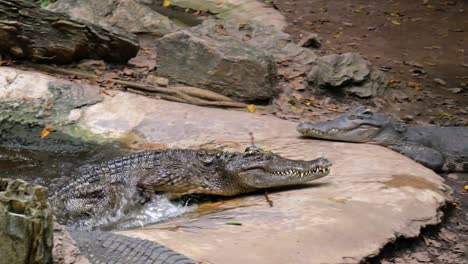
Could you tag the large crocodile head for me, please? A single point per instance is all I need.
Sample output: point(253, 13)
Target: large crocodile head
point(260, 169)
point(358, 125)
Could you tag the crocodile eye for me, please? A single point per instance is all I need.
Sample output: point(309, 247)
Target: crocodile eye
point(368, 112)
point(252, 151)
point(218, 155)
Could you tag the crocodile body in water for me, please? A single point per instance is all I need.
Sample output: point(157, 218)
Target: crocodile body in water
point(112, 189)
point(438, 148)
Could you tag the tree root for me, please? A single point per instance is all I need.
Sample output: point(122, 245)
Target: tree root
point(181, 94)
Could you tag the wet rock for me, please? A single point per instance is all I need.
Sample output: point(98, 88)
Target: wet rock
point(348, 72)
point(29, 101)
point(25, 223)
point(131, 16)
point(226, 66)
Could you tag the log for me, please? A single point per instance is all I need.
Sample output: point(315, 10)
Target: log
point(39, 35)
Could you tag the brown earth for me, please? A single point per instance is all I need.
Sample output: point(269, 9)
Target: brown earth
point(415, 42)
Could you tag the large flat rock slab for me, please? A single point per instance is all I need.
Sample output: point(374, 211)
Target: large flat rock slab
point(372, 195)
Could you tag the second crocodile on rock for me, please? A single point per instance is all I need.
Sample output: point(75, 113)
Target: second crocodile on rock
point(129, 182)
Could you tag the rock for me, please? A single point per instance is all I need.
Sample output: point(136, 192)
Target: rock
point(65, 250)
point(91, 65)
point(131, 16)
point(349, 72)
point(33, 33)
point(279, 44)
point(239, 12)
point(310, 41)
point(29, 101)
point(25, 223)
point(440, 81)
point(158, 81)
point(422, 256)
point(226, 66)
point(455, 90)
point(370, 205)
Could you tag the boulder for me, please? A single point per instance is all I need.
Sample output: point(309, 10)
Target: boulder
point(348, 72)
point(372, 196)
point(239, 11)
point(226, 66)
point(128, 15)
point(266, 38)
point(30, 32)
point(26, 228)
point(30, 101)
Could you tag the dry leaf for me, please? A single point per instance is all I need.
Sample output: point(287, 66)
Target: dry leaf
point(251, 108)
point(414, 85)
point(104, 91)
point(309, 102)
point(47, 129)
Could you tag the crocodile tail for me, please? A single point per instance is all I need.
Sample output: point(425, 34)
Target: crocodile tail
point(104, 247)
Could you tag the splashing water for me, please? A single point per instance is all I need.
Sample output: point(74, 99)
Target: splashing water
point(158, 209)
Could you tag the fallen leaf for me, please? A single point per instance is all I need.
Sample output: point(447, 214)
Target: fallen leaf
point(166, 3)
point(414, 85)
point(104, 91)
point(444, 114)
point(308, 102)
point(47, 129)
point(251, 108)
point(394, 22)
point(393, 82)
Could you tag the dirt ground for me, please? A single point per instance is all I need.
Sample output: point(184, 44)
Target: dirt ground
point(421, 47)
point(419, 44)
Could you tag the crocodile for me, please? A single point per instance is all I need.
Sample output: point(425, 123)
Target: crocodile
point(118, 186)
point(438, 148)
